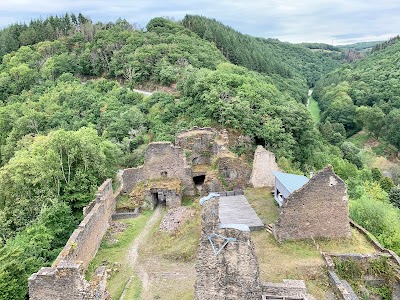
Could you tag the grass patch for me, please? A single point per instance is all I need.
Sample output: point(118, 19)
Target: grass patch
point(170, 258)
point(116, 253)
point(182, 244)
point(263, 202)
point(314, 110)
point(374, 153)
point(123, 201)
point(360, 138)
point(134, 290)
point(189, 201)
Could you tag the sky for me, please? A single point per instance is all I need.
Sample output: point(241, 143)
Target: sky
point(329, 21)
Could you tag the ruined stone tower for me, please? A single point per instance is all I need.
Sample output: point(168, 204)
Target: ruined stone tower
point(227, 266)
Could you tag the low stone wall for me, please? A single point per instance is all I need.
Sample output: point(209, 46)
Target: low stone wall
point(126, 215)
point(288, 289)
point(342, 287)
point(231, 193)
point(65, 278)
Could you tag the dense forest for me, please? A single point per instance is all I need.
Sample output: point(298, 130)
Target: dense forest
point(284, 62)
point(365, 94)
point(69, 118)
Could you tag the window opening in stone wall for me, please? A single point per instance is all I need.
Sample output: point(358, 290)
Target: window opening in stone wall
point(164, 174)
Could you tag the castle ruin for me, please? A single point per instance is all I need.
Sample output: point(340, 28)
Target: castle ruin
point(227, 266)
point(319, 209)
point(200, 162)
point(65, 279)
point(264, 165)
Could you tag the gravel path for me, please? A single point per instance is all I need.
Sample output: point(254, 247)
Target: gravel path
point(132, 257)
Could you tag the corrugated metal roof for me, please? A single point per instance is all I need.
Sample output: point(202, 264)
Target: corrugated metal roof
point(291, 181)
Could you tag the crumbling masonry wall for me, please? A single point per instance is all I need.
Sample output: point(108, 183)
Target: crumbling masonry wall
point(263, 165)
point(234, 273)
point(199, 144)
point(130, 178)
point(319, 209)
point(162, 160)
point(65, 278)
point(235, 172)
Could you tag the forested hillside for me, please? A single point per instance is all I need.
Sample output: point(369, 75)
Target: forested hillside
point(67, 123)
point(69, 118)
point(365, 94)
point(50, 29)
point(292, 67)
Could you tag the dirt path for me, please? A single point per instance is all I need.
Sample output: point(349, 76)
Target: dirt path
point(132, 257)
point(143, 92)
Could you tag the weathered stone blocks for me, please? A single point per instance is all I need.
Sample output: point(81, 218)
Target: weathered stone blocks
point(320, 209)
point(65, 278)
point(233, 273)
point(263, 165)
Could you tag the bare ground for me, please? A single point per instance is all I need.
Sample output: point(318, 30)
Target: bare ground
point(161, 277)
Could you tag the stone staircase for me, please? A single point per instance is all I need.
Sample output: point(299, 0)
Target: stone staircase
point(269, 228)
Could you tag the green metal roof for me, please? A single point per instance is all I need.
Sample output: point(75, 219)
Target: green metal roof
point(291, 182)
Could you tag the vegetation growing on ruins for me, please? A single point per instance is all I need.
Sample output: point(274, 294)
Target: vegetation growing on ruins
point(296, 259)
point(69, 118)
point(354, 272)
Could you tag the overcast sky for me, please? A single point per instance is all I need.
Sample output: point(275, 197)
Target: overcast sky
point(328, 21)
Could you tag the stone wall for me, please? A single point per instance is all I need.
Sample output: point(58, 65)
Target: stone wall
point(263, 165)
point(162, 160)
point(65, 278)
point(288, 289)
point(364, 261)
point(233, 273)
point(130, 178)
point(212, 184)
point(342, 288)
point(172, 197)
point(319, 209)
point(235, 172)
point(198, 144)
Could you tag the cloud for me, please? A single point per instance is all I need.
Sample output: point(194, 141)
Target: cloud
point(327, 21)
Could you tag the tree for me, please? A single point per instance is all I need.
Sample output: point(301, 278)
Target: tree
point(350, 152)
point(392, 132)
point(386, 183)
point(376, 174)
point(23, 77)
point(68, 165)
point(372, 118)
point(394, 196)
